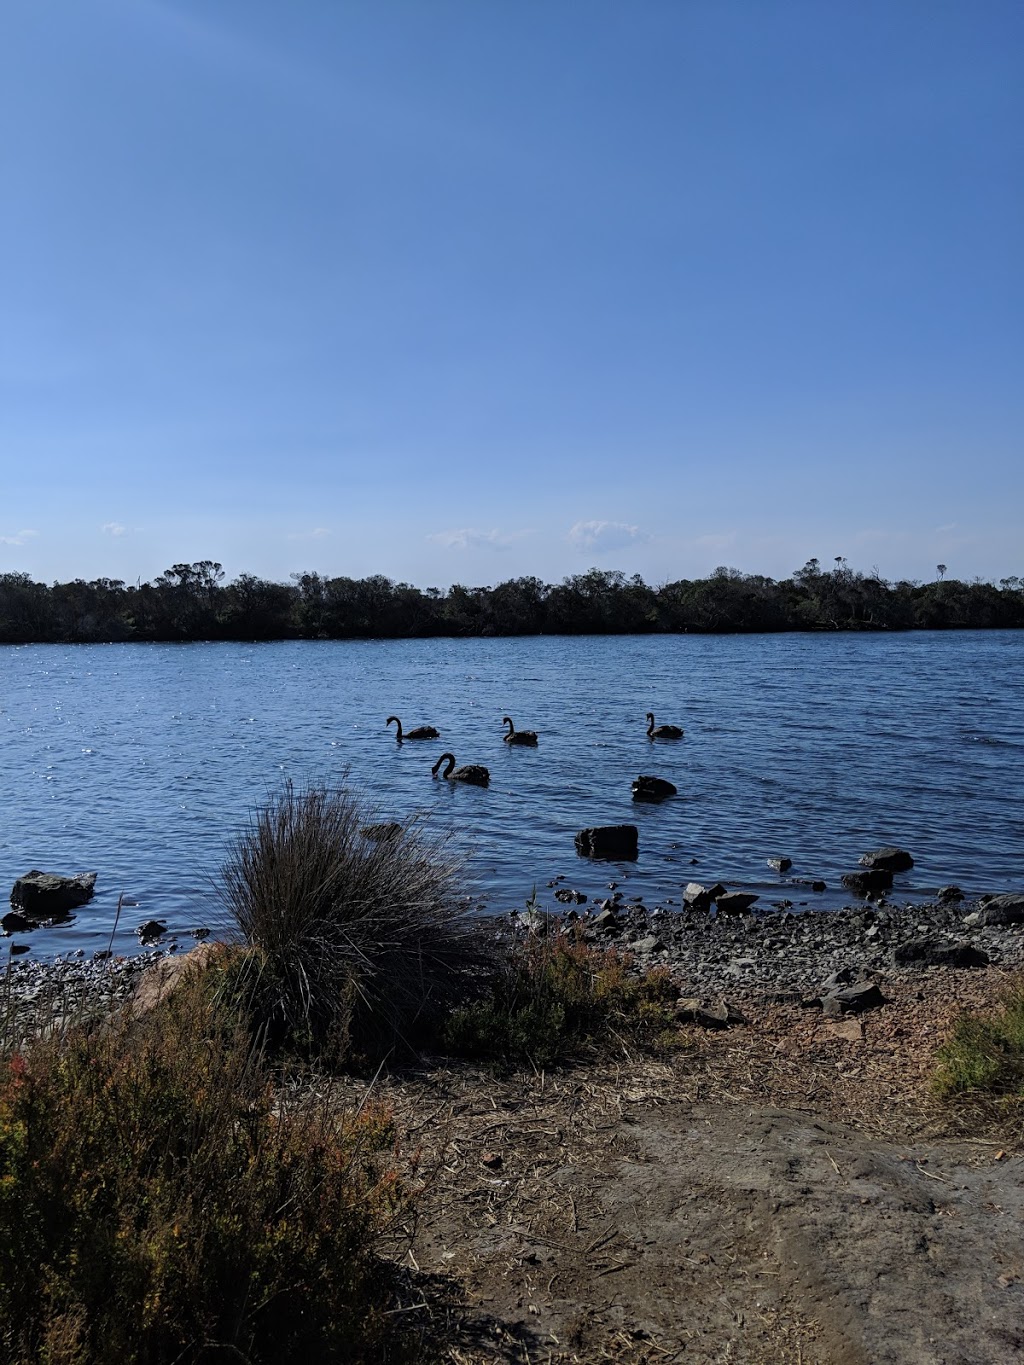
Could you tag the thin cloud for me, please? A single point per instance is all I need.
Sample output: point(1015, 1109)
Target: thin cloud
point(467, 538)
point(317, 533)
point(604, 535)
point(18, 538)
point(943, 530)
point(114, 528)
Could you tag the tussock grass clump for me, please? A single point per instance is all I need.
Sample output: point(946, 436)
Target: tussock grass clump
point(159, 1203)
point(360, 937)
point(557, 997)
point(984, 1055)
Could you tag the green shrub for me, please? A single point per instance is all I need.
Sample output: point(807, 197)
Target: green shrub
point(357, 934)
point(985, 1053)
point(159, 1203)
point(554, 997)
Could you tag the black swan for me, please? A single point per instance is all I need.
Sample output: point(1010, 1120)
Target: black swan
point(515, 736)
point(421, 731)
point(473, 773)
point(663, 731)
point(652, 788)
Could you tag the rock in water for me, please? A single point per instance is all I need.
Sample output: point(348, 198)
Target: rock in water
point(652, 788)
point(735, 902)
point(41, 895)
point(608, 841)
point(864, 883)
point(780, 864)
point(889, 859)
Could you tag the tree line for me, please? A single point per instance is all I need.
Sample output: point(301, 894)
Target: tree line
point(193, 602)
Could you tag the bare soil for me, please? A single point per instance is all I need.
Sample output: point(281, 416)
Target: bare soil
point(785, 1191)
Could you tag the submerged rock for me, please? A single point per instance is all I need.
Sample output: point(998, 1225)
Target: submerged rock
point(890, 859)
point(735, 902)
point(865, 883)
point(780, 864)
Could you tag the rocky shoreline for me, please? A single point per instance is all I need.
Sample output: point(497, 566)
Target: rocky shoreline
point(784, 951)
point(778, 954)
point(40, 996)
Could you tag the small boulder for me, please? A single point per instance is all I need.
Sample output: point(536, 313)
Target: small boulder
point(651, 944)
point(699, 897)
point(567, 897)
point(855, 999)
point(939, 952)
point(693, 1010)
point(607, 922)
point(151, 931)
point(608, 841)
point(15, 923)
point(735, 902)
point(888, 859)
point(42, 895)
point(999, 910)
point(780, 864)
point(652, 788)
point(946, 895)
point(866, 883)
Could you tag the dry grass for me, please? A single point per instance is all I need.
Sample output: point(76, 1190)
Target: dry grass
point(355, 934)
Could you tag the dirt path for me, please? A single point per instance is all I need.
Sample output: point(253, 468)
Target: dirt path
point(660, 1211)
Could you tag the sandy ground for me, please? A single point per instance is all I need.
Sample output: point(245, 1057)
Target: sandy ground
point(786, 1191)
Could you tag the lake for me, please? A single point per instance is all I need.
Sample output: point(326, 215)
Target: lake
point(143, 761)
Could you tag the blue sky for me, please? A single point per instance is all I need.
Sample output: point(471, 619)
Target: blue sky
point(456, 290)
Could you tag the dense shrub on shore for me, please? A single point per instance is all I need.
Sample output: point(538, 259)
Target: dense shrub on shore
point(553, 998)
point(192, 602)
point(160, 1202)
point(361, 937)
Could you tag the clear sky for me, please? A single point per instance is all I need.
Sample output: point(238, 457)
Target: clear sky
point(457, 290)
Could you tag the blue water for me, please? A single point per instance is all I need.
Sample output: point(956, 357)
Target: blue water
point(143, 761)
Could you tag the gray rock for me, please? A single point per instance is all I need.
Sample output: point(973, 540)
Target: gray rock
point(780, 864)
point(699, 897)
point(864, 883)
point(41, 895)
point(998, 910)
point(855, 999)
point(889, 859)
point(947, 894)
point(650, 944)
point(939, 952)
point(608, 841)
point(693, 1010)
point(735, 902)
point(567, 897)
point(151, 931)
point(607, 922)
